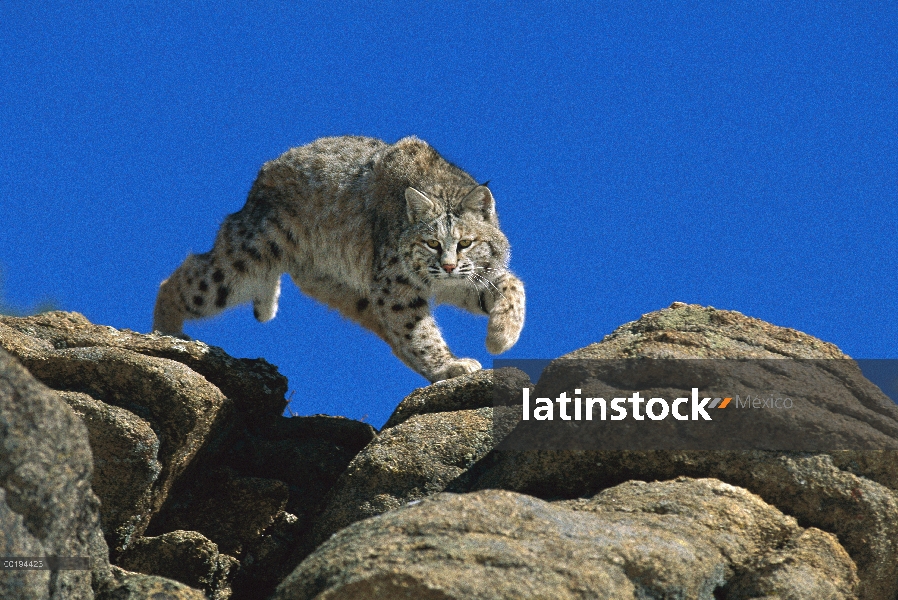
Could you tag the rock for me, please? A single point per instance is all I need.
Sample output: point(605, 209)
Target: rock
point(201, 479)
point(306, 453)
point(433, 436)
point(409, 461)
point(682, 539)
point(254, 385)
point(471, 391)
point(768, 554)
point(174, 453)
point(270, 558)
point(126, 465)
point(694, 331)
point(185, 556)
point(47, 507)
point(847, 493)
point(180, 406)
point(124, 585)
point(230, 510)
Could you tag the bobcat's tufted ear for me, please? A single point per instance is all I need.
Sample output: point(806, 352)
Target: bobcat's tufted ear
point(480, 200)
point(418, 205)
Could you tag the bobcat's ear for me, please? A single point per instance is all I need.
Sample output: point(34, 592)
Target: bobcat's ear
point(418, 205)
point(480, 200)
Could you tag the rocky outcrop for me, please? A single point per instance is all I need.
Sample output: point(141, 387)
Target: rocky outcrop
point(167, 409)
point(194, 466)
point(849, 493)
point(205, 490)
point(680, 539)
point(468, 392)
point(436, 434)
point(126, 463)
point(124, 585)
point(47, 507)
point(186, 556)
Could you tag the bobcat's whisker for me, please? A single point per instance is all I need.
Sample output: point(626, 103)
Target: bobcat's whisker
point(491, 284)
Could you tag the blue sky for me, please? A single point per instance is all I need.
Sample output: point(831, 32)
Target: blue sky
point(742, 155)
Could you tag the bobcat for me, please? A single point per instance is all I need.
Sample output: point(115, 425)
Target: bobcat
point(371, 229)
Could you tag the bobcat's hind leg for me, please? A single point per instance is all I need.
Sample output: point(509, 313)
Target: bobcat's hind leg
point(204, 285)
point(183, 296)
point(265, 294)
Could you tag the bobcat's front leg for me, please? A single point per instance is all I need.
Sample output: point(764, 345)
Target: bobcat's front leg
point(502, 299)
point(506, 313)
point(414, 337)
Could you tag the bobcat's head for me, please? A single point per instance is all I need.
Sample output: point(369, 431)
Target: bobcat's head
point(454, 236)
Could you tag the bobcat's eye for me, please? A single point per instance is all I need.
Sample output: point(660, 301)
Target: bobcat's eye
point(433, 243)
point(464, 243)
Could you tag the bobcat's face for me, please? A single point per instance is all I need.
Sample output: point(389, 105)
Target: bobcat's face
point(454, 242)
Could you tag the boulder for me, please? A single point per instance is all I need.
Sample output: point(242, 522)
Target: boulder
point(849, 493)
point(125, 585)
point(409, 461)
point(126, 463)
point(227, 508)
point(258, 493)
point(308, 454)
point(188, 442)
point(202, 480)
point(185, 556)
point(682, 539)
point(467, 392)
point(47, 507)
point(253, 384)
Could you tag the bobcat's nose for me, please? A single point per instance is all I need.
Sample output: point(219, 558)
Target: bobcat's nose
point(448, 268)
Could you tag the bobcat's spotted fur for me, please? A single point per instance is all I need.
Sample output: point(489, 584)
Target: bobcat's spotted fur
point(371, 229)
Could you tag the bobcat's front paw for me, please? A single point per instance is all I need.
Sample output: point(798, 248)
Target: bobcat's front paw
point(503, 330)
point(506, 316)
point(498, 340)
point(456, 367)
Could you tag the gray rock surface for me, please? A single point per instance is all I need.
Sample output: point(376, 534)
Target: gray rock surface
point(125, 585)
point(185, 556)
point(851, 494)
point(126, 462)
point(255, 385)
point(229, 509)
point(471, 391)
point(688, 539)
point(202, 480)
point(409, 461)
point(173, 452)
point(180, 406)
point(47, 507)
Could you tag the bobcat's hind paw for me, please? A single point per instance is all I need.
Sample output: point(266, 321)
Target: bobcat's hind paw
point(455, 368)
